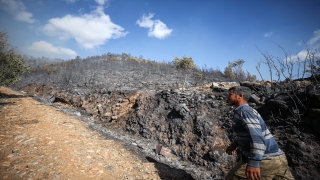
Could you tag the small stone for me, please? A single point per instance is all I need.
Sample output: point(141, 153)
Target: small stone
point(29, 141)
point(22, 136)
point(90, 151)
point(22, 174)
point(15, 152)
point(87, 161)
point(100, 171)
point(51, 142)
point(10, 156)
point(34, 162)
point(110, 168)
point(6, 164)
point(165, 152)
point(85, 135)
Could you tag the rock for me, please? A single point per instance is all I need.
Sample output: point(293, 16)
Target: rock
point(85, 135)
point(51, 142)
point(165, 152)
point(21, 136)
point(158, 148)
point(255, 99)
point(6, 164)
point(29, 141)
point(87, 161)
point(52, 99)
point(196, 125)
point(216, 89)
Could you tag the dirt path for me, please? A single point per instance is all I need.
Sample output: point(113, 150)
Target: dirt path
point(40, 142)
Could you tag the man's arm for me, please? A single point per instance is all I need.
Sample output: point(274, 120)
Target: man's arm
point(257, 144)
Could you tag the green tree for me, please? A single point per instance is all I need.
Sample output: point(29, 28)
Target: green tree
point(250, 77)
point(228, 72)
point(185, 64)
point(234, 70)
point(12, 65)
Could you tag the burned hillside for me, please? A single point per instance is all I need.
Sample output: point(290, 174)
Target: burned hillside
point(144, 104)
point(196, 125)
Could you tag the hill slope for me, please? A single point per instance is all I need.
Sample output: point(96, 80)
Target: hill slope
point(39, 141)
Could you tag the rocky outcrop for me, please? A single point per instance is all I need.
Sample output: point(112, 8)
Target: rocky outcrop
point(195, 125)
point(187, 122)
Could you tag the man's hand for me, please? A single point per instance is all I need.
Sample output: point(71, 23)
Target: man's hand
point(230, 150)
point(253, 173)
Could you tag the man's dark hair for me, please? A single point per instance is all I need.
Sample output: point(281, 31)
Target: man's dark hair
point(245, 91)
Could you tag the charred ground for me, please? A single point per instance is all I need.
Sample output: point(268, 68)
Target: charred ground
point(146, 108)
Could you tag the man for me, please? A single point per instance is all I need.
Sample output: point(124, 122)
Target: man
point(261, 156)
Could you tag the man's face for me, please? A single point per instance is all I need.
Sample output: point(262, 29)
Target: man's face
point(232, 98)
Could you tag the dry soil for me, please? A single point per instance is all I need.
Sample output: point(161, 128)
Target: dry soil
point(41, 142)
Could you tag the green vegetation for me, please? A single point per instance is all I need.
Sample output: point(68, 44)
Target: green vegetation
point(234, 70)
point(12, 65)
point(185, 64)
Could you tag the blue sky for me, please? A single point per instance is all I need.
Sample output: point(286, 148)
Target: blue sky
point(212, 32)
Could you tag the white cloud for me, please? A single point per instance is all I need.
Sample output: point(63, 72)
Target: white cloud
point(156, 28)
point(88, 30)
point(49, 49)
point(71, 1)
point(268, 34)
point(145, 21)
point(316, 38)
point(313, 47)
point(101, 2)
point(301, 55)
point(17, 8)
point(300, 43)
